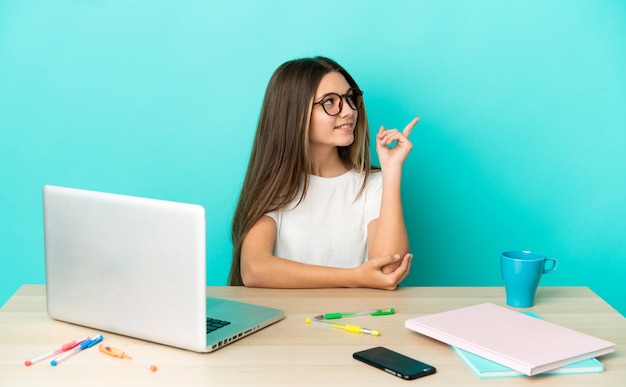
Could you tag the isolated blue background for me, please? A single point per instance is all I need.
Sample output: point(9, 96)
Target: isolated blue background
point(521, 143)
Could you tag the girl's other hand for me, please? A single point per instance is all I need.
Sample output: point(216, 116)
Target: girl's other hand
point(386, 272)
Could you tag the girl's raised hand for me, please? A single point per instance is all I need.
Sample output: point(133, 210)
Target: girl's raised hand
point(394, 156)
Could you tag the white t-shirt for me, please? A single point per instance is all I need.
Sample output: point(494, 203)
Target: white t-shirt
point(329, 227)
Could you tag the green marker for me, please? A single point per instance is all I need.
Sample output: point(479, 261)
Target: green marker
point(336, 315)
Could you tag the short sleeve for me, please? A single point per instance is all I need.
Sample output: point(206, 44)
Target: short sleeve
point(273, 215)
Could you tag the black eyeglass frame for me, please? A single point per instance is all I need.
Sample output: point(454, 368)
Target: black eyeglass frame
point(348, 97)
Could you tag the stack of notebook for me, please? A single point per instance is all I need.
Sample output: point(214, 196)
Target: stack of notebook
point(495, 342)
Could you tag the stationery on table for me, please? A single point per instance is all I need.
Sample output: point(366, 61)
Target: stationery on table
point(84, 345)
point(63, 348)
point(526, 344)
point(319, 319)
point(484, 368)
point(336, 315)
point(122, 355)
point(347, 327)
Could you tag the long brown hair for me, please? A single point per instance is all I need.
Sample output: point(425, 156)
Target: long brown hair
point(281, 157)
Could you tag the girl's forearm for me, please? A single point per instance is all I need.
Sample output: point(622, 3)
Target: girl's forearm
point(390, 235)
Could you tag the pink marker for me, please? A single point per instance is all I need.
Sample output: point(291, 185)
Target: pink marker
point(63, 348)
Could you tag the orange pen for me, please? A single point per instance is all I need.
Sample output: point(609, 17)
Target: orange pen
point(122, 355)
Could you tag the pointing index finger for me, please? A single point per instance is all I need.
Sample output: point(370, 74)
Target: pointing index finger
point(407, 129)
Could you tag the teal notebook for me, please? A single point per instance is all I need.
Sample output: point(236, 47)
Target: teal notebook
point(489, 369)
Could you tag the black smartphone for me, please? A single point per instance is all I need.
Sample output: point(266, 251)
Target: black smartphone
point(394, 363)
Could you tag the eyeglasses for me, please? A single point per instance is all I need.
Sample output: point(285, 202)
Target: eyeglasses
point(332, 103)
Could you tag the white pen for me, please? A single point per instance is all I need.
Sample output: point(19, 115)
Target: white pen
point(61, 349)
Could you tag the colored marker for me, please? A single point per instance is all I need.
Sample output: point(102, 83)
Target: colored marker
point(349, 328)
point(122, 355)
point(377, 312)
point(84, 345)
point(61, 349)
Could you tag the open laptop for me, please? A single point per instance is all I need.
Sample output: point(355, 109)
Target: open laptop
point(137, 267)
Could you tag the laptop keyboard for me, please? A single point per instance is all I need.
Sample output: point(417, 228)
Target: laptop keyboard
point(213, 324)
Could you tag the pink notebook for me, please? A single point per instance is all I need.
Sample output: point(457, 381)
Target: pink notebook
point(523, 343)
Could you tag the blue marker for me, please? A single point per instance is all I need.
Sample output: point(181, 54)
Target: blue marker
point(84, 345)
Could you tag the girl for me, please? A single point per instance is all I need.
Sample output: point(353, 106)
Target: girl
point(313, 212)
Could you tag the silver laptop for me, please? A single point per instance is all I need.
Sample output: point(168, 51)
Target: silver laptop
point(137, 267)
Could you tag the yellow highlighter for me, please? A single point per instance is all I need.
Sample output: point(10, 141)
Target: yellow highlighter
point(121, 354)
point(347, 327)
